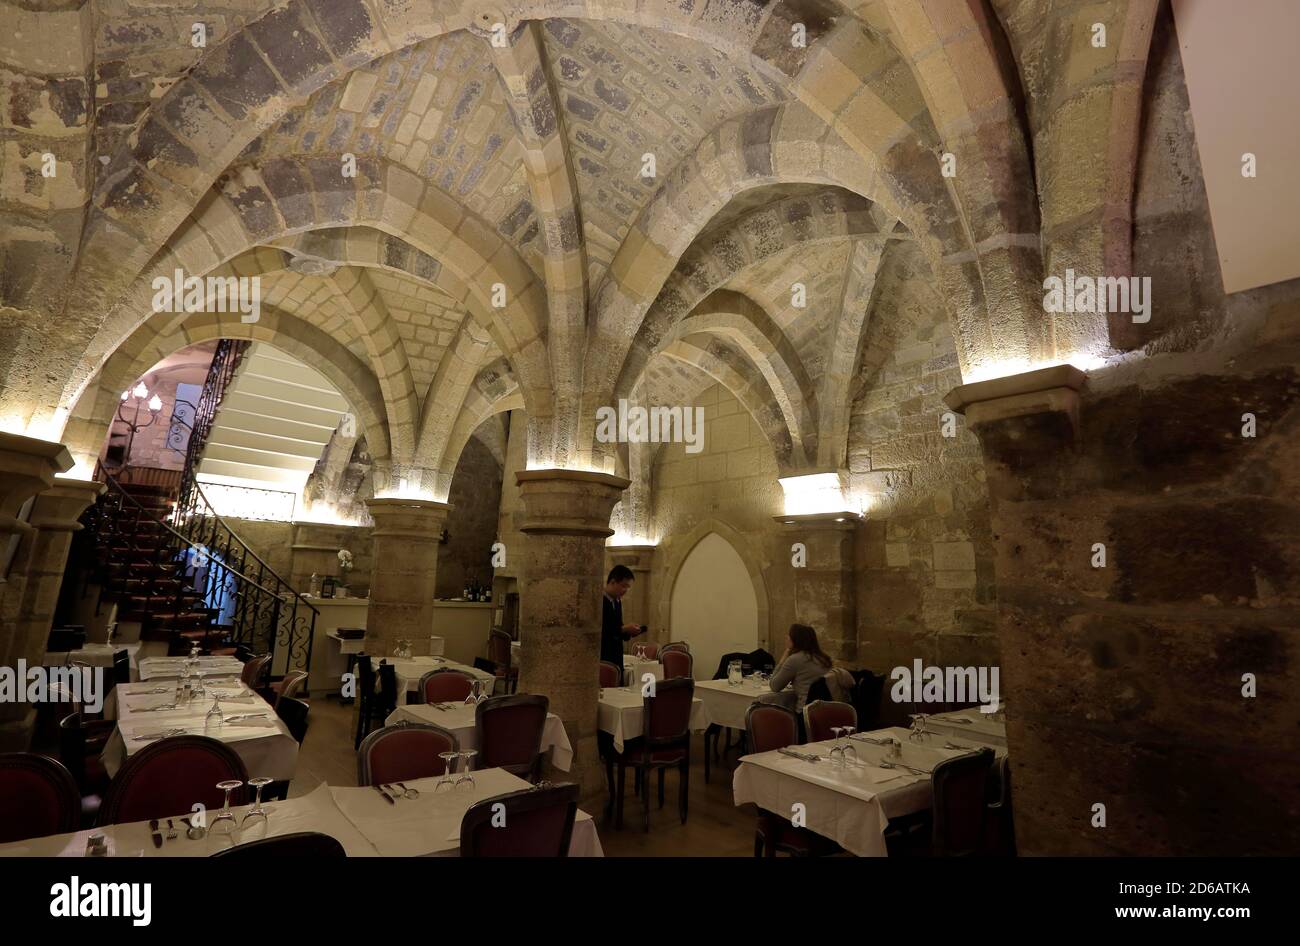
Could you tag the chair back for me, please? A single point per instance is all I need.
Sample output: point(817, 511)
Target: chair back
point(651, 651)
point(72, 747)
point(299, 844)
point(446, 685)
point(960, 785)
point(677, 663)
point(121, 667)
point(820, 716)
point(387, 696)
point(611, 675)
point(403, 751)
point(38, 797)
point(365, 676)
point(721, 672)
point(667, 715)
point(293, 713)
point(509, 730)
point(760, 660)
point(292, 683)
point(675, 645)
point(253, 671)
point(168, 777)
point(499, 647)
point(538, 823)
point(771, 726)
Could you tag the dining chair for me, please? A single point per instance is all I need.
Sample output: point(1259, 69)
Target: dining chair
point(298, 844)
point(509, 731)
point(960, 787)
point(121, 668)
point(714, 730)
point(664, 743)
point(404, 751)
point(538, 823)
point(771, 726)
point(445, 685)
point(611, 675)
point(293, 713)
point(378, 699)
point(81, 741)
point(820, 716)
point(1000, 827)
point(675, 645)
point(651, 651)
point(291, 684)
point(499, 653)
point(677, 663)
point(38, 797)
point(254, 670)
point(168, 777)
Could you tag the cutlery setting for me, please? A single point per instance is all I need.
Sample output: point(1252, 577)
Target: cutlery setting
point(150, 736)
point(805, 756)
point(239, 716)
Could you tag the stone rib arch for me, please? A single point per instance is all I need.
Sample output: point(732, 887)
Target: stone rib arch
point(167, 333)
point(278, 201)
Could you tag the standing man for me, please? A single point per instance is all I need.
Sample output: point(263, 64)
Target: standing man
point(613, 632)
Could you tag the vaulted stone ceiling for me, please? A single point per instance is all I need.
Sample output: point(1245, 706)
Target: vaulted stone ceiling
point(384, 166)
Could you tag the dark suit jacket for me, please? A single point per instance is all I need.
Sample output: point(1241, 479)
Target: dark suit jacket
point(611, 631)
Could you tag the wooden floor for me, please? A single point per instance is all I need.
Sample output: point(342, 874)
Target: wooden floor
point(714, 827)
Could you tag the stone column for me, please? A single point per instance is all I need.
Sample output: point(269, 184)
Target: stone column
point(637, 602)
point(565, 524)
point(825, 586)
point(406, 538)
point(28, 552)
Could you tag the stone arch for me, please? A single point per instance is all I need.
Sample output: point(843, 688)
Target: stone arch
point(167, 333)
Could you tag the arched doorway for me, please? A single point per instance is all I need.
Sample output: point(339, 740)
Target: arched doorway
point(713, 604)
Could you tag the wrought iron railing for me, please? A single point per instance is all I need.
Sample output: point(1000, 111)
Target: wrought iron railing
point(225, 362)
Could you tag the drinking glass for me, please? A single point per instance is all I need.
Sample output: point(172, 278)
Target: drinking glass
point(919, 732)
point(848, 744)
point(465, 782)
point(213, 719)
point(257, 814)
point(223, 826)
point(837, 751)
point(471, 697)
point(481, 693)
point(448, 768)
point(200, 691)
point(734, 673)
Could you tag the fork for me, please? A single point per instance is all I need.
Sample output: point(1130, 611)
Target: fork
point(231, 719)
point(166, 733)
point(886, 764)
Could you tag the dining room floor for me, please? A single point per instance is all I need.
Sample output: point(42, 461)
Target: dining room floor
point(714, 827)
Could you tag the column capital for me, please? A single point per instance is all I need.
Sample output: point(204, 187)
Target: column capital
point(1045, 391)
point(59, 508)
point(821, 521)
point(27, 466)
point(410, 518)
point(569, 502)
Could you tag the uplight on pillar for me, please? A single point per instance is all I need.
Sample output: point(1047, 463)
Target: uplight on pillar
point(815, 494)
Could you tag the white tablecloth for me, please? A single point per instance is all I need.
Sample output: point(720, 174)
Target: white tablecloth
point(430, 824)
point(264, 744)
point(95, 655)
point(620, 713)
point(850, 804)
point(170, 668)
point(459, 718)
point(980, 727)
point(727, 704)
point(410, 671)
point(635, 669)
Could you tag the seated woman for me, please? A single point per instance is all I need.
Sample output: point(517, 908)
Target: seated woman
point(802, 664)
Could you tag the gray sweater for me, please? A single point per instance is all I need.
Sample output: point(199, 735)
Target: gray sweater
point(803, 671)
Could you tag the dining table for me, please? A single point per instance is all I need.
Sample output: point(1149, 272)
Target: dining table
point(727, 703)
point(621, 711)
point(172, 668)
point(459, 719)
point(358, 818)
point(248, 724)
point(851, 802)
point(409, 670)
point(94, 655)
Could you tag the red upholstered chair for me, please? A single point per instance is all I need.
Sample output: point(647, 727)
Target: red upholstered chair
point(651, 651)
point(300, 844)
point(820, 716)
point(770, 727)
point(675, 645)
point(538, 823)
point(445, 686)
point(960, 785)
point(664, 743)
point(290, 685)
point(403, 751)
point(610, 674)
point(168, 777)
point(254, 670)
point(509, 731)
point(38, 797)
point(677, 663)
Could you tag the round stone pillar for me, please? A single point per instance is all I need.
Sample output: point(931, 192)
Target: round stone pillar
point(406, 538)
point(565, 524)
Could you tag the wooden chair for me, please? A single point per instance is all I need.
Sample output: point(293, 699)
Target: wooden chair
point(677, 663)
point(771, 726)
point(377, 702)
point(610, 675)
point(404, 751)
point(665, 743)
point(821, 716)
point(299, 844)
point(293, 713)
point(445, 685)
point(538, 823)
point(499, 653)
point(509, 731)
point(960, 788)
point(38, 797)
point(168, 777)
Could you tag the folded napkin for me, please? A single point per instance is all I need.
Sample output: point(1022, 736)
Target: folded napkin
point(265, 722)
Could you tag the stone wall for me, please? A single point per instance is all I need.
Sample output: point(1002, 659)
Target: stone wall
point(475, 500)
point(926, 582)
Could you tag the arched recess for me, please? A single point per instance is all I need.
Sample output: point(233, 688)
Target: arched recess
point(674, 553)
point(167, 333)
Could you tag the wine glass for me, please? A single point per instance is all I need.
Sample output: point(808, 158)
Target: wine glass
point(837, 751)
point(465, 782)
point(481, 691)
point(919, 732)
point(448, 767)
point(213, 719)
point(471, 698)
point(257, 814)
point(848, 744)
point(200, 691)
point(223, 826)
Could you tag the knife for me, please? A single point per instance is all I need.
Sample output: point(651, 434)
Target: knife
point(157, 835)
point(383, 794)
